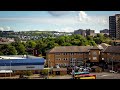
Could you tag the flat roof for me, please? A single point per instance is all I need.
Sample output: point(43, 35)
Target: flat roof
point(17, 57)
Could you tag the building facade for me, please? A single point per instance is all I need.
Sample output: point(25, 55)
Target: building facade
point(114, 26)
point(73, 55)
point(21, 63)
point(85, 32)
point(81, 32)
point(105, 31)
point(90, 32)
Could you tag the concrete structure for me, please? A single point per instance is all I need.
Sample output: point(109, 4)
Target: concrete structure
point(85, 32)
point(104, 31)
point(114, 26)
point(81, 32)
point(90, 32)
point(21, 63)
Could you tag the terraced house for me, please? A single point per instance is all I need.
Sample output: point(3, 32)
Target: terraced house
point(75, 55)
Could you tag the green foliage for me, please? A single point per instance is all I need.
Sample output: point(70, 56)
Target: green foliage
point(31, 44)
point(43, 44)
point(8, 50)
point(12, 50)
point(1, 53)
point(27, 73)
point(45, 71)
point(98, 69)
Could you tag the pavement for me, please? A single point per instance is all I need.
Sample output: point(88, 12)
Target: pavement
point(107, 75)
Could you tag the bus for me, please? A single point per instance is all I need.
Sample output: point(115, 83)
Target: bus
point(85, 76)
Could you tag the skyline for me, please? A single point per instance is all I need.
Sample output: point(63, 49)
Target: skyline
point(65, 21)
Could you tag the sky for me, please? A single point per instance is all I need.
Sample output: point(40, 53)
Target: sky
point(62, 21)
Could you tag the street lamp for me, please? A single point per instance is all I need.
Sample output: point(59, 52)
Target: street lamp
point(5, 70)
point(48, 68)
point(112, 63)
point(10, 68)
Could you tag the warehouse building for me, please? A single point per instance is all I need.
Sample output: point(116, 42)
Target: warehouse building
point(21, 62)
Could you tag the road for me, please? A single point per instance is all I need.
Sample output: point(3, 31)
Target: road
point(103, 75)
point(106, 75)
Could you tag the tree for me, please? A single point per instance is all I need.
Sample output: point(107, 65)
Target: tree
point(12, 50)
point(1, 53)
point(7, 49)
point(92, 43)
point(30, 44)
point(21, 49)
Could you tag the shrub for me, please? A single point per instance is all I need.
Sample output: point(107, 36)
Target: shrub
point(98, 69)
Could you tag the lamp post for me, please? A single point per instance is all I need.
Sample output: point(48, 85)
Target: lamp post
point(48, 68)
point(5, 70)
point(10, 68)
point(112, 63)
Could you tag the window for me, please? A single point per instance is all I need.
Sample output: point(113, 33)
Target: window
point(58, 59)
point(94, 58)
point(65, 58)
point(72, 53)
point(94, 53)
point(64, 53)
point(57, 53)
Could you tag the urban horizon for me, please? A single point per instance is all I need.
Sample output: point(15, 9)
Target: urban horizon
point(61, 21)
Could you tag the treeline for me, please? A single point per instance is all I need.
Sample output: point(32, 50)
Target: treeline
point(44, 44)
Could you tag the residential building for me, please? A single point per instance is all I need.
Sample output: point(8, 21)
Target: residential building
point(6, 40)
point(90, 32)
point(73, 55)
point(81, 32)
point(105, 31)
point(114, 26)
point(85, 32)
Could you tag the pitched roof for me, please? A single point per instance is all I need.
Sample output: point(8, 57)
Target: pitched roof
point(97, 47)
point(104, 45)
point(70, 49)
point(112, 49)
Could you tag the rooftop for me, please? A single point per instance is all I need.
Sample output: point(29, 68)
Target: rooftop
point(112, 49)
point(70, 49)
point(17, 57)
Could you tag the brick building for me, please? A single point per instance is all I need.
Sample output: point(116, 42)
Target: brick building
point(74, 55)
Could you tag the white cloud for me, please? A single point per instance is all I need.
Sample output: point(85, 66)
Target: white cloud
point(81, 20)
point(1, 28)
point(5, 28)
point(42, 20)
point(66, 29)
point(83, 17)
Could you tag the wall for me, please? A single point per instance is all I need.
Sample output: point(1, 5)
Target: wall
point(92, 59)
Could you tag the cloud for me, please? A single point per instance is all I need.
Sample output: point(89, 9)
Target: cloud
point(42, 20)
point(58, 13)
point(1, 28)
point(65, 29)
point(83, 17)
point(5, 28)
